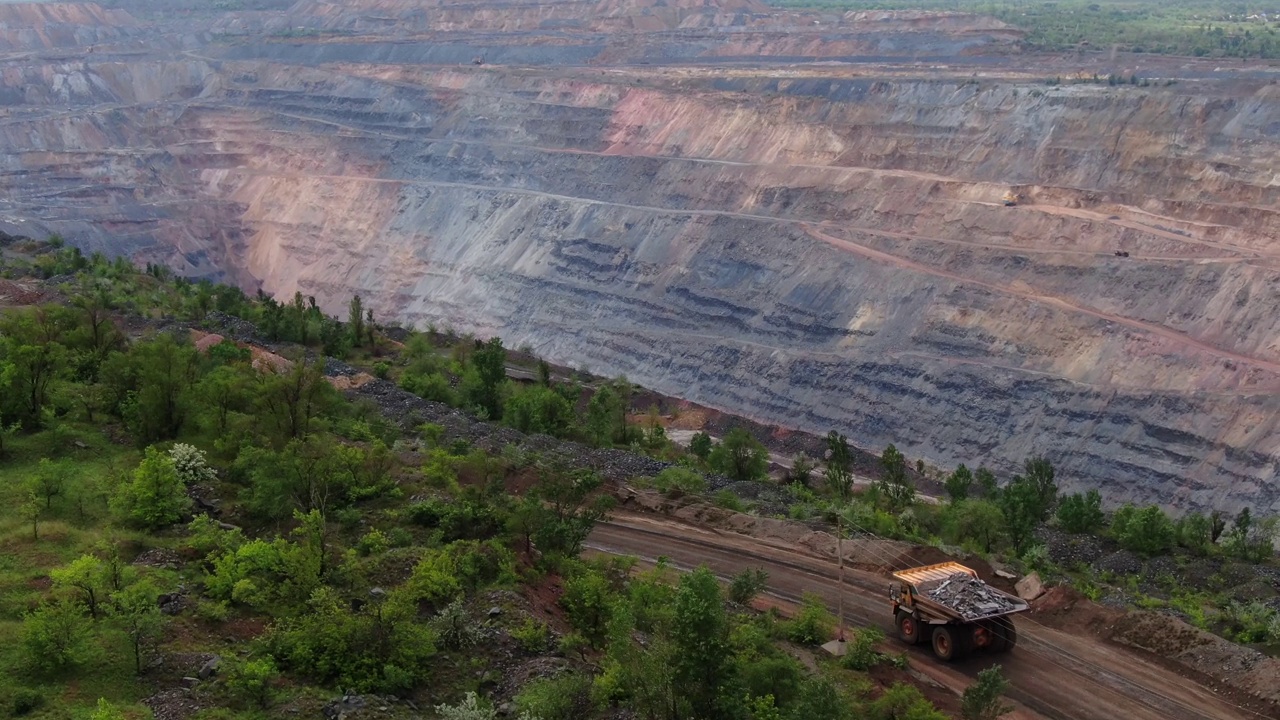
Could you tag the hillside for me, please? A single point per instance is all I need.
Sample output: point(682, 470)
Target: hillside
point(213, 515)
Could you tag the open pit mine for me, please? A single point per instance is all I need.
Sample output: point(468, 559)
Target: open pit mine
point(905, 226)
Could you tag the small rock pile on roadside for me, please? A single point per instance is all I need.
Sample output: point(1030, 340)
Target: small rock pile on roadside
point(968, 596)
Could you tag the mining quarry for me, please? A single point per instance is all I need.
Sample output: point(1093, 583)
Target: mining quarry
point(903, 225)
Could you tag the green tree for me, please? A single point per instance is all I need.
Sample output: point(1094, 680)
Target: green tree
point(894, 485)
point(252, 680)
point(740, 457)
point(138, 616)
point(55, 637)
point(30, 510)
point(1194, 533)
point(982, 700)
point(958, 483)
point(979, 521)
point(355, 320)
point(588, 601)
point(291, 399)
point(700, 445)
point(1252, 539)
point(1019, 502)
point(606, 421)
point(801, 472)
point(540, 409)
point(703, 671)
point(222, 391)
point(50, 479)
point(1146, 530)
point(985, 481)
point(1081, 513)
point(32, 344)
point(1040, 473)
point(839, 480)
point(155, 496)
point(747, 584)
point(483, 382)
point(166, 370)
point(569, 511)
point(85, 576)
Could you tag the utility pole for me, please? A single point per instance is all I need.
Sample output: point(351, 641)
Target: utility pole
point(839, 482)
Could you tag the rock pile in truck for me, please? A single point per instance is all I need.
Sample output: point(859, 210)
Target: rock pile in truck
point(969, 596)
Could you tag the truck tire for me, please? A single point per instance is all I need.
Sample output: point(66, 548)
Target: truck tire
point(999, 636)
point(908, 628)
point(947, 643)
point(1008, 632)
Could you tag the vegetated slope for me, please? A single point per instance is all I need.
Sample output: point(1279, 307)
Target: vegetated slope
point(378, 565)
point(819, 246)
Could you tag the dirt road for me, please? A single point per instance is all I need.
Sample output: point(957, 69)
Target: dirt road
point(1053, 674)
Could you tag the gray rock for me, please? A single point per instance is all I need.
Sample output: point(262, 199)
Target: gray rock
point(210, 668)
point(495, 611)
point(190, 682)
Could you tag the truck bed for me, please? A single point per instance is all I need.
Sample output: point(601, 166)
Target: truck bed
point(955, 592)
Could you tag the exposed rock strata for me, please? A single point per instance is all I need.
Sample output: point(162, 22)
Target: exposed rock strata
point(818, 246)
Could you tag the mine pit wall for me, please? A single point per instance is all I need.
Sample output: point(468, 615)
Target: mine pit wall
point(896, 300)
point(815, 252)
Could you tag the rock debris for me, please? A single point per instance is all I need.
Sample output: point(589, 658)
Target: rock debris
point(968, 596)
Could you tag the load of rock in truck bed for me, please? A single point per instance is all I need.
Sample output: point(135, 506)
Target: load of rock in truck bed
point(968, 596)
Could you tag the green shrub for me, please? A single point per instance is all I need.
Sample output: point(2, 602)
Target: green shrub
point(455, 628)
point(682, 479)
point(55, 637)
point(860, 651)
point(251, 681)
point(746, 585)
point(727, 500)
point(900, 702)
point(813, 625)
point(533, 636)
point(25, 701)
point(374, 542)
point(566, 697)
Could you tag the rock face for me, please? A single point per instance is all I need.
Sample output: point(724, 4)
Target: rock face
point(792, 216)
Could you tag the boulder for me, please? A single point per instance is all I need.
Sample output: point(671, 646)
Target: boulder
point(1030, 587)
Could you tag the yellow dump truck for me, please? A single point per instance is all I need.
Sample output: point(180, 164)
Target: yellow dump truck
point(948, 606)
point(1011, 198)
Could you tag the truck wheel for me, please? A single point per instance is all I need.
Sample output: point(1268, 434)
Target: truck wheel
point(1008, 632)
point(946, 643)
point(997, 636)
point(908, 628)
point(985, 638)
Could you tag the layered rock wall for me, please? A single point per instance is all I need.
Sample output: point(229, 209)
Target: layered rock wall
point(819, 246)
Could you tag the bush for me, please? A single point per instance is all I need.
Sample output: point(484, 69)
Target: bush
point(25, 701)
point(746, 585)
point(190, 464)
point(813, 625)
point(469, 709)
point(533, 636)
point(903, 701)
point(860, 652)
point(155, 496)
point(566, 697)
point(682, 479)
point(727, 500)
point(55, 637)
point(455, 627)
point(374, 542)
point(250, 680)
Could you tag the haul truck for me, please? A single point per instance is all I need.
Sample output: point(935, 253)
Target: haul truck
point(949, 607)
